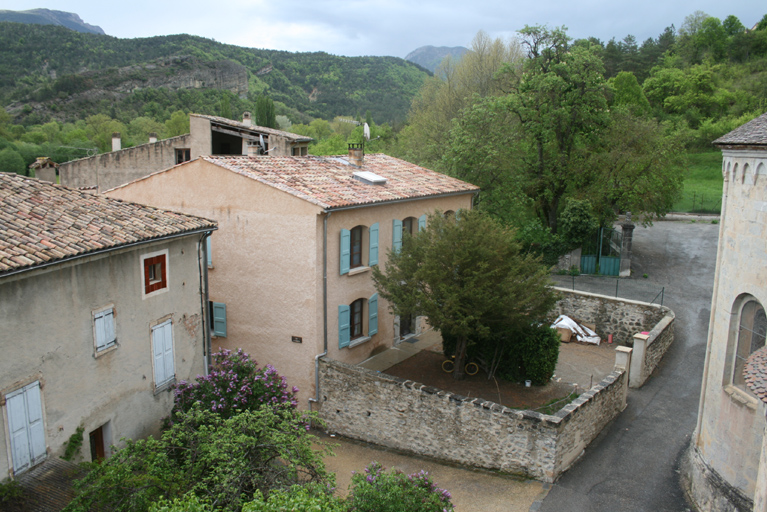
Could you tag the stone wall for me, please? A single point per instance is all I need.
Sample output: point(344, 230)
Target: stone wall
point(620, 317)
point(649, 350)
point(408, 416)
point(707, 489)
point(109, 170)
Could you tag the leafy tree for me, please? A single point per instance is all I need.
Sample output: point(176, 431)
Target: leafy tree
point(11, 161)
point(299, 497)
point(535, 355)
point(178, 124)
point(100, 128)
point(629, 93)
point(468, 277)
point(220, 460)
point(559, 102)
point(265, 114)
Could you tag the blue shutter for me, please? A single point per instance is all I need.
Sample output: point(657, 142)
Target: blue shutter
point(373, 245)
point(344, 326)
point(422, 222)
point(208, 251)
point(396, 243)
point(346, 251)
point(219, 319)
point(373, 314)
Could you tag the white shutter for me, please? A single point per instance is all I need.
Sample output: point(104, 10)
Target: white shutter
point(104, 328)
point(25, 419)
point(162, 348)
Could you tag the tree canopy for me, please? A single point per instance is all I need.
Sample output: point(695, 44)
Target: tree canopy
point(469, 277)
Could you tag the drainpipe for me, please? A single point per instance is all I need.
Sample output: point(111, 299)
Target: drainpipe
point(324, 311)
point(203, 249)
point(722, 219)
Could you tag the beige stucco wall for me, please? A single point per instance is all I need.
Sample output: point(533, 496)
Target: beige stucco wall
point(48, 336)
point(731, 420)
point(112, 169)
point(267, 263)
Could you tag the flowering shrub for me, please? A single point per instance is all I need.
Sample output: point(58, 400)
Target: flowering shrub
point(378, 491)
point(235, 382)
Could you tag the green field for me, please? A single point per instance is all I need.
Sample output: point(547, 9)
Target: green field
point(702, 192)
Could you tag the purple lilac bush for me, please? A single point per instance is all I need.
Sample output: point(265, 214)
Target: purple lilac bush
point(235, 382)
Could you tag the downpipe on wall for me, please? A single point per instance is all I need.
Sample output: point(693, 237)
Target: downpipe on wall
point(324, 311)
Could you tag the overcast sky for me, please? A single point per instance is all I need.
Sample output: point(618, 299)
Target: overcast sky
point(384, 27)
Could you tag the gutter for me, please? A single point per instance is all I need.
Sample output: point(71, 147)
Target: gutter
point(394, 201)
point(106, 250)
point(324, 310)
point(205, 300)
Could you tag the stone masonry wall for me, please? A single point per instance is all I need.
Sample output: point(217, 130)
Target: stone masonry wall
point(660, 339)
point(408, 416)
point(620, 317)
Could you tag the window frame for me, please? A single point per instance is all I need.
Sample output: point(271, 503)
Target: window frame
point(355, 246)
point(152, 264)
point(183, 155)
point(167, 355)
point(743, 339)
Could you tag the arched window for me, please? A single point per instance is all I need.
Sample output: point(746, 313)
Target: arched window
point(752, 328)
point(358, 321)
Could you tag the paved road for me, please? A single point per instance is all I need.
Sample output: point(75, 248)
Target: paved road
point(633, 464)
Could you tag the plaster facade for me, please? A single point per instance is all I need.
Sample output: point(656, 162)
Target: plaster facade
point(48, 323)
point(268, 259)
point(726, 447)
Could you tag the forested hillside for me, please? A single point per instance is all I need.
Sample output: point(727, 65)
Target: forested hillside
point(45, 70)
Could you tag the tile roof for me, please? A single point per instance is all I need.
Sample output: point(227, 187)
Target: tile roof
point(44, 223)
point(254, 128)
point(753, 132)
point(329, 182)
point(755, 373)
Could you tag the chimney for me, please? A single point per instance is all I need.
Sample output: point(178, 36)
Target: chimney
point(152, 138)
point(116, 142)
point(357, 154)
point(246, 119)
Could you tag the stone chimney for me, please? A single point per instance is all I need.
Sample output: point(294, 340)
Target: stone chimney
point(246, 119)
point(152, 138)
point(357, 154)
point(116, 142)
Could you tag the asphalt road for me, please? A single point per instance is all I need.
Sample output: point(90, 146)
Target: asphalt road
point(634, 463)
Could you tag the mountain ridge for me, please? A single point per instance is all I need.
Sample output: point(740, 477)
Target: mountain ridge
point(65, 19)
point(430, 56)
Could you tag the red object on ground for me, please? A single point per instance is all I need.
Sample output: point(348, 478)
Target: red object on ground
point(609, 338)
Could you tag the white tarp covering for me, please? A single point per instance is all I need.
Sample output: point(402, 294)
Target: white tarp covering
point(582, 333)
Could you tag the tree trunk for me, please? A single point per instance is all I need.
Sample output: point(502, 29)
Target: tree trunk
point(460, 357)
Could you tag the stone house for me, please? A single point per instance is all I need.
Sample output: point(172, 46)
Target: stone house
point(724, 457)
point(289, 267)
point(102, 308)
point(208, 135)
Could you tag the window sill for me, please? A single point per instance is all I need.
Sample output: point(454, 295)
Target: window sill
point(740, 396)
point(359, 341)
point(358, 270)
point(104, 351)
point(166, 386)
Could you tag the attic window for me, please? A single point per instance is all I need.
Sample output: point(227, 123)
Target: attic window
point(369, 178)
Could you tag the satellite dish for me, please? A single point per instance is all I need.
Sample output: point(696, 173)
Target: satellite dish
point(366, 131)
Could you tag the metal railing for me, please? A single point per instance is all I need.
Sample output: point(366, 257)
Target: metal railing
point(627, 288)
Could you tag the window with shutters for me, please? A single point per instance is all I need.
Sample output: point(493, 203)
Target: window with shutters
point(358, 249)
point(183, 155)
point(104, 336)
point(218, 319)
point(357, 322)
point(406, 226)
point(162, 355)
point(26, 429)
point(154, 273)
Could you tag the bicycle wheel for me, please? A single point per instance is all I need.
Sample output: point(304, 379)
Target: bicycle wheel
point(448, 366)
point(472, 369)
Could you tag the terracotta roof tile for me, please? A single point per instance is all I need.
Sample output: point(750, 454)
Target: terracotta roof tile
point(753, 132)
point(755, 373)
point(329, 181)
point(42, 222)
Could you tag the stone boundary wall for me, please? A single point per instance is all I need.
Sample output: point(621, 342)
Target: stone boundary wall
point(411, 417)
point(650, 349)
point(620, 317)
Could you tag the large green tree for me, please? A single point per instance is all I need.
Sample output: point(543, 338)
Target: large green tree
point(469, 277)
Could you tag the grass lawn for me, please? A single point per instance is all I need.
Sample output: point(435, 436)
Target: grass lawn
point(702, 189)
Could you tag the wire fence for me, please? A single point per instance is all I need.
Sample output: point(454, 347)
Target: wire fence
point(626, 288)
